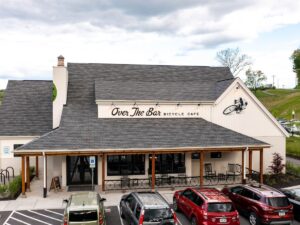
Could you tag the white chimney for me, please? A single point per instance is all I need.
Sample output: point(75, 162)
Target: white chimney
point(60, 81)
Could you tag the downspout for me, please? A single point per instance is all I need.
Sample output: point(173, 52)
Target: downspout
point(45, 175)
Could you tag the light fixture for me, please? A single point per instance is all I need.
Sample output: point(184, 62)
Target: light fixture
point(178, 104)
point(157, 104)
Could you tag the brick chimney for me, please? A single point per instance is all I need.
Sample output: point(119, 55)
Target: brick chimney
point(60, 61)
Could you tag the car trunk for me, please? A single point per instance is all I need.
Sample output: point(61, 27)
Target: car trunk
point(162, 216)
point(88, 217)
point(221, 213)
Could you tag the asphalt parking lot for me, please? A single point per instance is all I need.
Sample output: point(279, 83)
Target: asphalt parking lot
point(55, 217)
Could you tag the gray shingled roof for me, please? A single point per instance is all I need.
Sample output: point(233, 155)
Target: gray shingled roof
point(26, 109)
point(81, 128)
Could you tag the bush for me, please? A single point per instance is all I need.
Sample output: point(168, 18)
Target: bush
point(3, 188)
point(15, 186)
point(32, 171)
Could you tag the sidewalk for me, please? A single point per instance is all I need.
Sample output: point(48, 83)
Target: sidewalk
point(35, 200)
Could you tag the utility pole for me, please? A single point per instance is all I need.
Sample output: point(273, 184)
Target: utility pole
point(273, 80)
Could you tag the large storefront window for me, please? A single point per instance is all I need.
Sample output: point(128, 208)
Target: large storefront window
point(168, 163)
point(125, 165)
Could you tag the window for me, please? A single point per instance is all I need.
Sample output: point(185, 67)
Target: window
point(125, 165)
point(17, 146)
point(198, 201)
point(83, 216)
point(138, 211)
point(247, 193)
point(237, 190)
point(130, 202)
point(215, 155)
point(168, 163)
point(187, 193)
point(220, 207)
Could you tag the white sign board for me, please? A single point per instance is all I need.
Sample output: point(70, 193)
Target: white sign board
point(92, 161)
point(6, 152)
point(153, 111)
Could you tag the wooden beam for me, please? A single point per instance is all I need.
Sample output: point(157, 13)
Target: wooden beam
point(243, 167)
point(153, 172)
point(250, 163)
point(261, 166)
point(23, 175)
point(201, 168)
point(27, 173)
point(37, 167)
point(103, 171)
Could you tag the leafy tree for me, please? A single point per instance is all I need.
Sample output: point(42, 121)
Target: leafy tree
point(234, 59)
point(276, 166)
point(254, 79)
point(296, 65)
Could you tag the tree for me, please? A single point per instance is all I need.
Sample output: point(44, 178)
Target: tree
point(296, 65)
point(234, 59)
point(276, 165)
point(254, 79)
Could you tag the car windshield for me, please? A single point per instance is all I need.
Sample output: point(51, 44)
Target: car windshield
point(80, 216)
point(220, 207)
point(278, 201)
point(156, 215)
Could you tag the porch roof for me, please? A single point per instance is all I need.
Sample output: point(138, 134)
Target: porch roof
point(81, 130)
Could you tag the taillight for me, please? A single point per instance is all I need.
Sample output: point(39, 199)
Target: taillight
point(101, 221)
point(174, 217)
point(141, 220)
point(65, 220)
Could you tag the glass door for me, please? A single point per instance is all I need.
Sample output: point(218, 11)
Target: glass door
point(79, 171)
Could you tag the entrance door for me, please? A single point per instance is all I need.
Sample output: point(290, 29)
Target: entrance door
point(79, 171)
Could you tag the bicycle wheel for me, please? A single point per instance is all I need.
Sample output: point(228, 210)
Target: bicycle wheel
point(229, 109)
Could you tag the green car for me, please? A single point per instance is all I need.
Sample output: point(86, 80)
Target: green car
point(84, 208)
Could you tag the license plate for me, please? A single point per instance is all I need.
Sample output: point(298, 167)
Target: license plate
point(281, 213)
point(223, 220)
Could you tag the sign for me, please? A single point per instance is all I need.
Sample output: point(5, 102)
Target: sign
point(239, 105)
point(55, 184)
point(154, 111)
point(6, 151)
point(92, 161)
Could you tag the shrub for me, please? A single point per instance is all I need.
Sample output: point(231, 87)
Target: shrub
point(276, 166)
point(3, 188)
point(15, 186)
point(32, 171)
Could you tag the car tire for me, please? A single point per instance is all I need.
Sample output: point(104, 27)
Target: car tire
point(175, 205)
point(254, 219)
point(194, 221)
point(121, 213)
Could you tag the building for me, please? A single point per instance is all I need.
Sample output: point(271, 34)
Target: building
point(146, 125)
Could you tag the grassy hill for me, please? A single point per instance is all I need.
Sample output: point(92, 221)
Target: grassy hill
point(1, 95)
point(281, 102)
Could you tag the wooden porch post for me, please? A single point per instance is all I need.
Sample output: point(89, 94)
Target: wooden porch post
point(153, 172)
point(201, 168)
point(37, 167)
point(243, 167)
point(103, 172)
point(250, 163)
point(23, 176)
point(45, 177)
point(27, 173)
point(261, 166)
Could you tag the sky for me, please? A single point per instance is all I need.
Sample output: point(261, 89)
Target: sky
point(173, 32)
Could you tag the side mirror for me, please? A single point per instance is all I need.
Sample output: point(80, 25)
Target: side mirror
point(102, 200)
point(65, 201)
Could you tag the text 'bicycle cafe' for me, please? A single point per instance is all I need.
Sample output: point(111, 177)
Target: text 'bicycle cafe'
point(123, 127)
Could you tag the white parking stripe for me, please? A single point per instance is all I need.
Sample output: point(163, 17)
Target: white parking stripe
point(45, 215)
point(120, 215)
point(54, 212)
point(9, 216)
point(7, 224)
point(20, 220)
point(179, 221)
point(33, 218)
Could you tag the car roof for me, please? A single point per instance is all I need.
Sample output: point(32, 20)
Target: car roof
point(82, 199)
point(265, 190)
point(212, 195)
point(151, 200)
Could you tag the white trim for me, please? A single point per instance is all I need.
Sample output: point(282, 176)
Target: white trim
point(152, 102)
point(260, 105)
point(17, 137)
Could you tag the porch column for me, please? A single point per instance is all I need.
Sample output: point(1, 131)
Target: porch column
point(27, 173)
point(37, 167)
point(201, 168)
point(250, 163)
point(261, 166)
point(45, 177)
point(153, 172)
point(103, 172)
point(243, 167)
point(23, 176)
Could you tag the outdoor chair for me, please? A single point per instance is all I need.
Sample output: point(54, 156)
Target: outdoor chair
point(209, 173)
point(125, 181)
point(232, 171)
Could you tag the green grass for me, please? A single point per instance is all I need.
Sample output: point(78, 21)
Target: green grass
point(293, 169)
point(1, 96)
point(293, 146)
point(281, 102)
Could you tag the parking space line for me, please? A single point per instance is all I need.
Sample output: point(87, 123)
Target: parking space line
point(33, 218)
point(20, 221)
point(45, 215)
point(9, 216)
point(6, 223)
point(61, 214)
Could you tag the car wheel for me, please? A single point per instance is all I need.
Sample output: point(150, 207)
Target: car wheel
point(254, 219)
point(121, 213)
point(175, 205)
point(194, 221)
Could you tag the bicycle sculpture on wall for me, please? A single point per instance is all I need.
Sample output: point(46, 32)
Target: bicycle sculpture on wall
point(239, 105)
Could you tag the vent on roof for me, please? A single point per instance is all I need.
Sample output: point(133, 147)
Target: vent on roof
point(60, 61)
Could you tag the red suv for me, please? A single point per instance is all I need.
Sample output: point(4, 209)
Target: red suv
point(206, 206)
point(262, 204)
